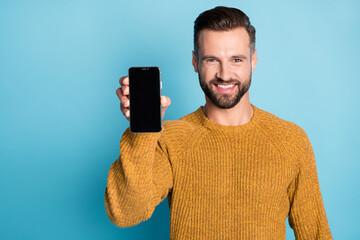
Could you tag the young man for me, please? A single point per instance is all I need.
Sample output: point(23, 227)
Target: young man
point(230, 170)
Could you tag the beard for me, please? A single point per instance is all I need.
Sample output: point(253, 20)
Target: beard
point(221, 100)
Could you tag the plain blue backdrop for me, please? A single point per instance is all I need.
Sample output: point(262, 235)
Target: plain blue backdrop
point(60, 123)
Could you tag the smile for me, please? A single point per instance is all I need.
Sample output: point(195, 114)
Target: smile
point(225, 86)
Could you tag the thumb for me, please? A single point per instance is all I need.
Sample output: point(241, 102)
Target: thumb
point(165, 102)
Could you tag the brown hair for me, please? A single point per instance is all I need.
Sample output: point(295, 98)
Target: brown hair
point(223, 19)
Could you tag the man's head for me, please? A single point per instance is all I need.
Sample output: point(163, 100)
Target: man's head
point(223, 19)
point(224, 54)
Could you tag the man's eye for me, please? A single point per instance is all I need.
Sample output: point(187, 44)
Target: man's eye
point(237, 60)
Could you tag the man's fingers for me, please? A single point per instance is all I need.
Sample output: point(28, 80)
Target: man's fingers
point(124, 81)
point(123, 95)
point(118, 93)
point(124, 85)
point(124, 99)
point(125, 111)
point(125, 90)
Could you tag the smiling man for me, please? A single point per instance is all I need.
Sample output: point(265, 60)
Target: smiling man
point(224, 64)
point(230, 170)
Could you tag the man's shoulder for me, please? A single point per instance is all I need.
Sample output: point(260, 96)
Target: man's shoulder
point(176, 133)
point(281, 129)
point(186, 124)
point(290, 138)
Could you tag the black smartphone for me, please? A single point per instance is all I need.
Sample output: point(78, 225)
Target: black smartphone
point(145, 93)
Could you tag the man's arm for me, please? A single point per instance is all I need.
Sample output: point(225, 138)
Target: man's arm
point(138, 180)
point(307, 215)
point(142, 176)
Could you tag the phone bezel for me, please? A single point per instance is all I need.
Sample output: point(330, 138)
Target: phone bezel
point(134, 129)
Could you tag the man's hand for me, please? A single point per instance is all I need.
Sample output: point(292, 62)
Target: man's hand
point(123, 95)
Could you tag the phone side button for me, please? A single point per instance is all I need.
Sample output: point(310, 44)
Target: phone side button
point(160, 84)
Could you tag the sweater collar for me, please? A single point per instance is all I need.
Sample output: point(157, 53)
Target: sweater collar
point(218, 127)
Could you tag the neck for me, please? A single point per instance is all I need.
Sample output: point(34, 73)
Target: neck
point(240, 114)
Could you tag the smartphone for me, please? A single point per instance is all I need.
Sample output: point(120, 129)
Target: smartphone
point(144, 95)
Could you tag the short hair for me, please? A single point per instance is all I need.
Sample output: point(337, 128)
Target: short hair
point(223, 19)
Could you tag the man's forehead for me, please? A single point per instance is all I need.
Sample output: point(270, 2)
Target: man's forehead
point(235, 39)
point(236, 32)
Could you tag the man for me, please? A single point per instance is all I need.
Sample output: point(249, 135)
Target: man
point(230, 170)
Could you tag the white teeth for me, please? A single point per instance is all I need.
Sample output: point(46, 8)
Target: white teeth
point(225, 86)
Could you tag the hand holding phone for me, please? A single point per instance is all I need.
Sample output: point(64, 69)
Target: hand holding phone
point(123, 94)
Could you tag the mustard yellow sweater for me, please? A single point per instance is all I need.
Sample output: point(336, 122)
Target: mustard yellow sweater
point(222, 182)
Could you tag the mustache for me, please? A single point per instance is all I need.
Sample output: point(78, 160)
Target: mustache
point(219, 81)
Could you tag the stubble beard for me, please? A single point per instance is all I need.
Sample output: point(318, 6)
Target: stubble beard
point(221, 100)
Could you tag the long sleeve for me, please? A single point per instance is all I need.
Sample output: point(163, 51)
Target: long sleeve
point(307, 215)
point(138, 180)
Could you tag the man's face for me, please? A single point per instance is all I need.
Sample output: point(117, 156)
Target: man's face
point(224, 65)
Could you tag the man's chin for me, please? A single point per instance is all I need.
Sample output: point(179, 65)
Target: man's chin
point(227, 103)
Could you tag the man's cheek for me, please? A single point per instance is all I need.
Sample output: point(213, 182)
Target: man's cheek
point(207, 70)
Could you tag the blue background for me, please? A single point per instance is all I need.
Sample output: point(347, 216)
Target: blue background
point(60, 123)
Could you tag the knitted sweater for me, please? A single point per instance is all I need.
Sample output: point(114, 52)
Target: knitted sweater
point(222, 182)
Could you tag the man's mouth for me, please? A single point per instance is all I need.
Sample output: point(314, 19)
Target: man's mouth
point(225, 88)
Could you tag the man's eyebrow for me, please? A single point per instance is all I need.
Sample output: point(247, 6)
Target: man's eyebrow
point(240, 56)
point(235, 56)
point(208, 56)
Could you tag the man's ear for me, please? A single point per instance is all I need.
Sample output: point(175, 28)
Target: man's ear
point(194, 62)
point(253, 61)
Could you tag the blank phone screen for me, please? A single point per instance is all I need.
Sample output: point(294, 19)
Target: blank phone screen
point(145, 108)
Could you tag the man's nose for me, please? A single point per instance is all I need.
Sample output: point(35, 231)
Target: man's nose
point(224, 72)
